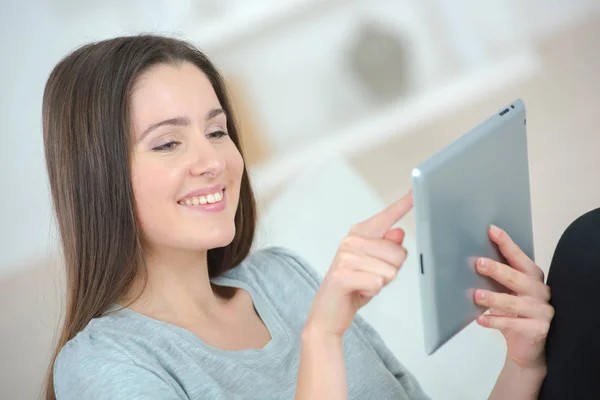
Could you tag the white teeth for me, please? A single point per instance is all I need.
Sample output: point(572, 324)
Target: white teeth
point(200, 200)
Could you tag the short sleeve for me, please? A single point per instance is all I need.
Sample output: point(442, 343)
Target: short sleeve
point(89, 369)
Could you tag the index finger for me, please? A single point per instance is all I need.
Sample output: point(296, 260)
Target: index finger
point(515, 256)
point(380, 223)
point(519, 282)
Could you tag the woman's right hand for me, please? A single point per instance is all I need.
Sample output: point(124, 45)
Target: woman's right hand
point(367, 260)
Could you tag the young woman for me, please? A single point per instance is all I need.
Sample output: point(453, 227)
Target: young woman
point(164, 298)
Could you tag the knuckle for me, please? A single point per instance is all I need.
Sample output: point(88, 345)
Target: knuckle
point(356, 228)
point(540, 274)
point(508, 324)
point(376, 283)
point(400, 256)
point(391, 274)
point(404, 252)
point(514, 250)
point(546, 328)
point(546, 293)
point(511, 305)
point(491, 299)
point(349, 242)
point(541, 332)
point(509, 274)
point(549, 312)
point(502, 236)
point(346, 259)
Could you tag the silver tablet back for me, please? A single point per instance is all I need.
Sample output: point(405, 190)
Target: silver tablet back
point(480, 179)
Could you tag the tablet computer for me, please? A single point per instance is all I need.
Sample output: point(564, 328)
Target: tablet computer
point(482, 178)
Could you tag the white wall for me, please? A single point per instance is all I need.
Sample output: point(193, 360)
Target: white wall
point(33, 38)
point(307, 60)
point(306, 64)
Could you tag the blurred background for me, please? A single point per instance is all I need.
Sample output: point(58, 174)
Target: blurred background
point(338, 101)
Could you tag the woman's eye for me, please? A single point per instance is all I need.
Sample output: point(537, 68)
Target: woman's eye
point(216, 134)
point(166, 146)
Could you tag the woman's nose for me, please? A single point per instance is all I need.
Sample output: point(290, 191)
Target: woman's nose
point(206, 160)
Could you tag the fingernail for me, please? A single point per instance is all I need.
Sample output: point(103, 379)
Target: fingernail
point(482, 319)
point(494, 230)
point(481, 294)
point(481, 264)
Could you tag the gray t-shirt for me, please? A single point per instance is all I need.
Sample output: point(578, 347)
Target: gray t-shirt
point(126, 355)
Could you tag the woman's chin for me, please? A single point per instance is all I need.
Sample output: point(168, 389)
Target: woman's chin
point(217, 240)
point(201, 240)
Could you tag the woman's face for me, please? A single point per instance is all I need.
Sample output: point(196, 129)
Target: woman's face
point(186, 170)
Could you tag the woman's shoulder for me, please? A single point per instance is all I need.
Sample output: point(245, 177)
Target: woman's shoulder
point(86, 355)
point(589, 220)
point(96, 343)
point(583, 232)
point(112, 336)
point(84, 346)
point(94, 365)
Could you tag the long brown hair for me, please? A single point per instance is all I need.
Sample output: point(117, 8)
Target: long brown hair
point(87, 140)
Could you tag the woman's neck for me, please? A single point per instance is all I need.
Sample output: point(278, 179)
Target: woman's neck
point(177, 287)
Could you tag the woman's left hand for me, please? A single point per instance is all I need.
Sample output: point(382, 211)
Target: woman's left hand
point(524, 315)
